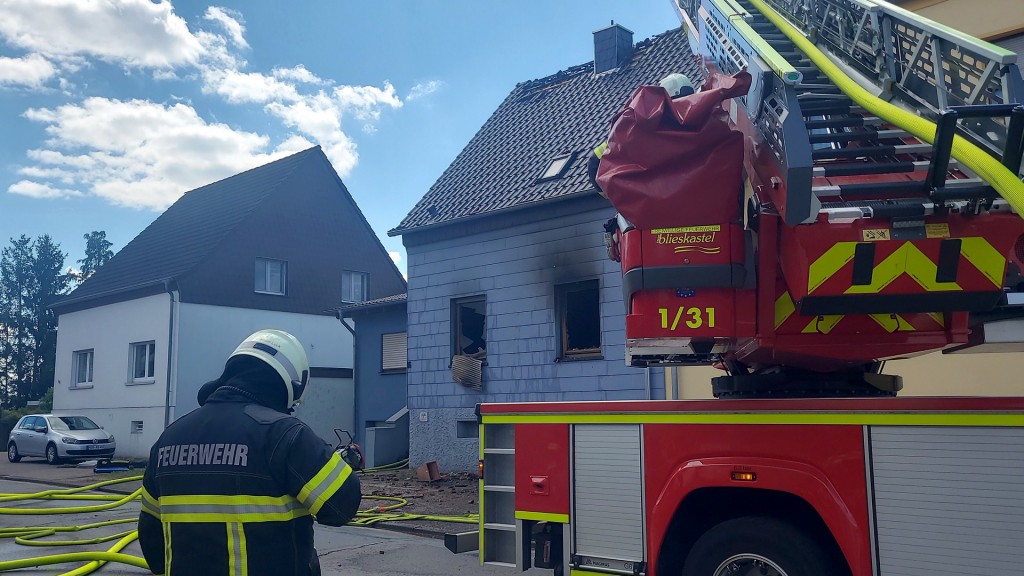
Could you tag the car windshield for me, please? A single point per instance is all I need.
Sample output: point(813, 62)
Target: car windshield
point(72, 423)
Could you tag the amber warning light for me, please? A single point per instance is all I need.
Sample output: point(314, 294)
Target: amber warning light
point(480, 469)
point(744, 476)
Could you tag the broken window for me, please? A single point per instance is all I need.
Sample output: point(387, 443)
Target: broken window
point(469, 327)
point(579, 317)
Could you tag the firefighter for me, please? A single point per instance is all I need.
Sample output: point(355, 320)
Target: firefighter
point(234, 486)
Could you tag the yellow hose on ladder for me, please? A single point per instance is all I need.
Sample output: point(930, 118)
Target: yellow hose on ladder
point(988, 168)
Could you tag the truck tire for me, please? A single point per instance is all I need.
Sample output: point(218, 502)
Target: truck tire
point(758, 546)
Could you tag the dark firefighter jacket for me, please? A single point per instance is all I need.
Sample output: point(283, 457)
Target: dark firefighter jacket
point(233, 487)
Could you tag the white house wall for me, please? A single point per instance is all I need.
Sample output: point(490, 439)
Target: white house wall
point(206, 335)
point(112, 401)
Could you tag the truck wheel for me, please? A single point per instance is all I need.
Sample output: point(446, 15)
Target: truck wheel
point(757, 546)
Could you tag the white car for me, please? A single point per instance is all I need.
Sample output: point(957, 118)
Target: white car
point(58, 438)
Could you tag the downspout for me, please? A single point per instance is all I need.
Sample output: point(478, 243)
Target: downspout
point(355, 387)
point(172, 294)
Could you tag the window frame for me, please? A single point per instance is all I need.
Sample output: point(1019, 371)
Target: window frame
point(562, 295)
point(384, 369)
point(456, 323)
point(76, 358)
point(566, 157)
point(150, 362)
point(346, 277)
point(267, 276)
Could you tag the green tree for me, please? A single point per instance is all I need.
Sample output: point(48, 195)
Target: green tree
point(51, 284)
point(30, 282)
point(97, 253)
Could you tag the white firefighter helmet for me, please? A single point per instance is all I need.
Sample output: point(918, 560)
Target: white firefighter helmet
point(677, 85)
point(284, 353)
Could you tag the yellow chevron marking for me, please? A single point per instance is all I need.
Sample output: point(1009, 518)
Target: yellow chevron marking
point(892, 323)
point(822, 324)
point(828, 264)
point(907, 259)
point(784, 308)
point(985, 258)
point(939, 318)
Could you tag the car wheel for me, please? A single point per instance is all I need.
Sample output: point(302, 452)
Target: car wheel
point(52, 457)
point(12, 453)
point(757, 545)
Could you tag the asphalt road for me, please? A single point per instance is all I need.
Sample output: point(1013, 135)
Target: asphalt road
point(343, 551)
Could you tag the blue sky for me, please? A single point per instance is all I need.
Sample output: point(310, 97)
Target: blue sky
point(111, 109)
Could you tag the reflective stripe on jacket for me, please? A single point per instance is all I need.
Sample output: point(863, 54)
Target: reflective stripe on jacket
point(233, 488)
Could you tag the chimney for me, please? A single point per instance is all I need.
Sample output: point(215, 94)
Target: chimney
point(613, 47)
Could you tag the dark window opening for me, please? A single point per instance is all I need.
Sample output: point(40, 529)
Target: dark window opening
point(469, 327)
point(466, 429)
point(579, 315)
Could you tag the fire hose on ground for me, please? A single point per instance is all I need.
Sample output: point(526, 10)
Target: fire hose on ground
point(35, 535)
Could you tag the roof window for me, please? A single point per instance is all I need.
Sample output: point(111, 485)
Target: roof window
point(557, 168)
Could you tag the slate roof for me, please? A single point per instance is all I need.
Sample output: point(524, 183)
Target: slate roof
point(187, 232)
point(570, 111)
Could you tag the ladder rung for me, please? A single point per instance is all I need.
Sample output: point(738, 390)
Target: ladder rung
point(497, 526)
point(853, 152)
point(873, 189)
point(847, 122)
point(866, 168)
point(499, 450)
point(871, 151)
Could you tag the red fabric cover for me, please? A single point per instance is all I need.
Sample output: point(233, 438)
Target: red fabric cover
point(676, 163)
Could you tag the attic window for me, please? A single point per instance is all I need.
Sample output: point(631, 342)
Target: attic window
point(557, 168)
point(271, 276)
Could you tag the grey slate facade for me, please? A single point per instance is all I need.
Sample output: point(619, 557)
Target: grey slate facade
point(493, 227)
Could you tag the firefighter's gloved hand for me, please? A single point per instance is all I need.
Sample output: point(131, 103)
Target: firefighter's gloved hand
point(353, 456)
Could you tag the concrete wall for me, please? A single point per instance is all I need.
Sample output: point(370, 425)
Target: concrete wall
point(201, 340)
point(206, 336)
point(516, 267)
point(112, 401)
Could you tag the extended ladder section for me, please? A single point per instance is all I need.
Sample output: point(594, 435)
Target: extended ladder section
point(883, 156)
point(833, 151)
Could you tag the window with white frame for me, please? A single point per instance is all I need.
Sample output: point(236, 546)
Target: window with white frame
point(353, 286)
point(82, 369)
point(394, 352)
point(141, 362)
point(271, 276)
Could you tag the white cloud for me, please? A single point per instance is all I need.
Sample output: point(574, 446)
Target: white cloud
point(249, 87)
point(37, 190)
point(365, 102)
point(396, 256)
point(231, 21)
point(138, 153)
point(32, 70)
point(423, 89)
point(135, 33)
point(145, 154)
point(298, 74)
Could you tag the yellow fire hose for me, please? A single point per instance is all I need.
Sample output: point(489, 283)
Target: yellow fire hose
point(33, 535)
point(1004, 181)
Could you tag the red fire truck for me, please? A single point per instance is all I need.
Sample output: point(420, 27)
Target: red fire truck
point(879, 218)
